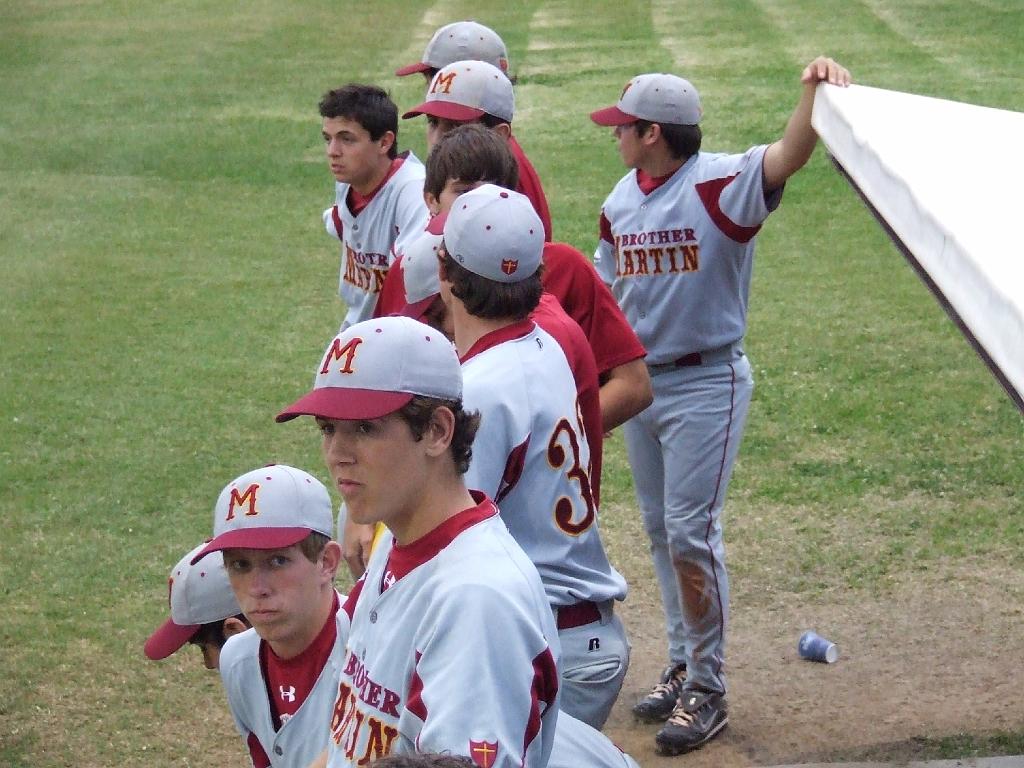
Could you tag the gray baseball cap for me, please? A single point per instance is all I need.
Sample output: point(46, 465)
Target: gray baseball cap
point(656, 97)
point(495, 233)
point(198, 594)
point(458, 42)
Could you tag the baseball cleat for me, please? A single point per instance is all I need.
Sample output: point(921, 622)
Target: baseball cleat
point(657, 705)
point(698, 717)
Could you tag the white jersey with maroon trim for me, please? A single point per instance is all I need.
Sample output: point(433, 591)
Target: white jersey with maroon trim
point(303, 736)
point(370, 239)
point(451, 648)
point(531, 456)
point(679, 259)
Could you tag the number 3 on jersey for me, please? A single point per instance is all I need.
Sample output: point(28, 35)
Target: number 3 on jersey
point(559, 458)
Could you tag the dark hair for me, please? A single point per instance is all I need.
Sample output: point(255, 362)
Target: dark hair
point(471, 153)
point(367, 105)
point(212, 633)
point(418, 412)
point(488, 120)
point(683, 140)
point(489, 299)
point(313, 545)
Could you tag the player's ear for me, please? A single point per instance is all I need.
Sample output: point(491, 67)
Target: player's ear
point(652, 134)
point(331, 558)
point(433, 204)
point(234, 626)
point(386, 140)
point(438, 434)
point(503, 129)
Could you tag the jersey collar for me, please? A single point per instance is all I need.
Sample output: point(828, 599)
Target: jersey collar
point(649, 184)
point(517, 330)
point(356, 202)
point(404, 558)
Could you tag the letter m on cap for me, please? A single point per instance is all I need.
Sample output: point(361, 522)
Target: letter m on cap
point(345, 353)
point(246, 498)
point(443, 83)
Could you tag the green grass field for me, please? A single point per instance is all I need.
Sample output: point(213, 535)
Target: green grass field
point(168, 285)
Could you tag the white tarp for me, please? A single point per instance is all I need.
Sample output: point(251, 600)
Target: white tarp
point(946, 179)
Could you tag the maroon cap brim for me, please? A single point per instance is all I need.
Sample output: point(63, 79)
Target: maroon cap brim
point(168, 638)
point(418, 309)
point(612, 116)
point(446, 109)
point(344, 403)
point(254, 538)
point(412, 69)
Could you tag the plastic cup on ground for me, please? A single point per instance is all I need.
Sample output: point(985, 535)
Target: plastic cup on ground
point(814, 647)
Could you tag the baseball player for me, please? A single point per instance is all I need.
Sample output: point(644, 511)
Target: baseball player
point(204, 611)
point(424, 303)
point(474, 91)
point(532, 453)
point(274, 527)
point(378, 192)
point(465, 159)
point(677, 244)
point(451, 645)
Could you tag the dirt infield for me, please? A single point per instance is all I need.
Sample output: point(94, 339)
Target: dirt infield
point(934, 659)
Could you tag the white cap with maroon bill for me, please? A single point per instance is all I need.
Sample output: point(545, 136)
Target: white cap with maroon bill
point(269, 508)
point(375, 367)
